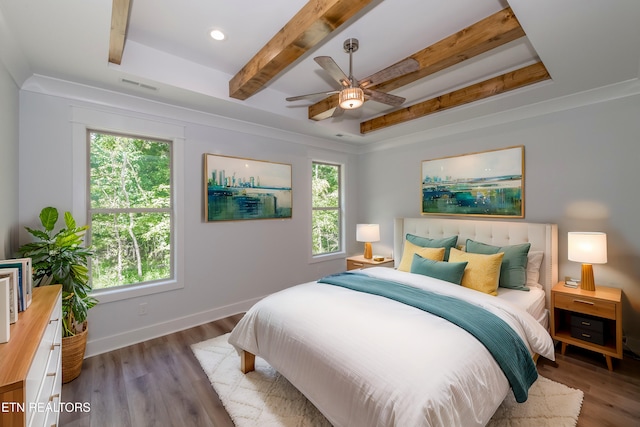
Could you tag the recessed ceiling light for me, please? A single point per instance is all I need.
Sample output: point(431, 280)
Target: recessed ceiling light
point(217, 35)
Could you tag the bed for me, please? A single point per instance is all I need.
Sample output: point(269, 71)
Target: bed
point(368, 359)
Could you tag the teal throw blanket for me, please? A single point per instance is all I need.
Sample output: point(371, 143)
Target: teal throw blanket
point(496, 335)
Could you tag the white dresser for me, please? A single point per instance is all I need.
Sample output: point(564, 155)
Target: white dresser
point(30, 364)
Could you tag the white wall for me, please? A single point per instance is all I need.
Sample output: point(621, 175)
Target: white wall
point(228, 265)
point(8, 162)
point(582, 171)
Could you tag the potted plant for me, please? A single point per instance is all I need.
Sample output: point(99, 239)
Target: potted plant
point(61, 258)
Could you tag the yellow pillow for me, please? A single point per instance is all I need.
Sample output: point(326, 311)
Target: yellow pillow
point(482, 272)
point(435, 254)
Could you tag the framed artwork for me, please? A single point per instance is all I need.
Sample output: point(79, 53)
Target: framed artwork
point(238, 189)
point(489, 183)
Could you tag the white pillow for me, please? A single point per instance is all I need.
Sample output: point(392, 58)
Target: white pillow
point(534, 261)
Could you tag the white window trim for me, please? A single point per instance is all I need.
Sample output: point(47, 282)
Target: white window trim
point(84, 119)
point(341, 254)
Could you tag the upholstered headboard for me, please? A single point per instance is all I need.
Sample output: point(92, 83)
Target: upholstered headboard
point(543, 237)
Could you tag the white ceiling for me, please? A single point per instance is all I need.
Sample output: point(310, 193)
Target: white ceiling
point(584, 44)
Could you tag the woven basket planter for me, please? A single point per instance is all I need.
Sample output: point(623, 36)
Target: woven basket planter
point(73, 354)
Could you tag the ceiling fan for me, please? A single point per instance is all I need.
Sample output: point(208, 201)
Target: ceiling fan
point(352, 92)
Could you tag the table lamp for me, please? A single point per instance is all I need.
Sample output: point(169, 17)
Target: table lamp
point(368, 233)
point(588, 248)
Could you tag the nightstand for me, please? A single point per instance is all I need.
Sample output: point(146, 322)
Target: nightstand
point(359, 261)
point(588, 319)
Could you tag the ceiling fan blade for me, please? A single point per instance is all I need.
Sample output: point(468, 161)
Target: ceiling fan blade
point(385, 98)
point(311, 95)
point(406, 66)
point(337, 112)
point(330, 66)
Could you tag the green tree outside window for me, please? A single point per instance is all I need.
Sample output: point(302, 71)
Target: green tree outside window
point(326, 208)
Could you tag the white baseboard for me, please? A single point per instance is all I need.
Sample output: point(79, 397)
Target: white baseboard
point(134, 336)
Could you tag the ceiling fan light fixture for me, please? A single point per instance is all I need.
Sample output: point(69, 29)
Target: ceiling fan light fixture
point(351, 98)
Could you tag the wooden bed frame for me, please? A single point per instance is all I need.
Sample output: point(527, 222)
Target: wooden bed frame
point(543, 237)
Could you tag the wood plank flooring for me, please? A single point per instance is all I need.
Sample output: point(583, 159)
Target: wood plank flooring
point(160, 383)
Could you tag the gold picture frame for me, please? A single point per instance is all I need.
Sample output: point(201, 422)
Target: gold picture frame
point(488, 183)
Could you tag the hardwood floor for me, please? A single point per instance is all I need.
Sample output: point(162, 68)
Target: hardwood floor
point(160, 383)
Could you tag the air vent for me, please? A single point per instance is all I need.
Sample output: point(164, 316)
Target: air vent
point(135, 83)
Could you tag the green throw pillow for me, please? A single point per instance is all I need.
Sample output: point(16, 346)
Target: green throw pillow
point(447, 243)
point(513, 271)
point(447, 271)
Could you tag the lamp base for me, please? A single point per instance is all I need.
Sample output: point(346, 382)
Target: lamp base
point(586, 282)
point(368, 252)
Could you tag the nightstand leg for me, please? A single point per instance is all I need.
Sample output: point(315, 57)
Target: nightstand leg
point(564, 348)
point(609, 365)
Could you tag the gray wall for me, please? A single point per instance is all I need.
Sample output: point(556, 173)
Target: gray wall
point(8, 162)
point(581, 173)
point(228, 265)
point(582, 170)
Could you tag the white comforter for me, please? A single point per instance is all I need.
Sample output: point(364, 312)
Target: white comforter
point(365, 360)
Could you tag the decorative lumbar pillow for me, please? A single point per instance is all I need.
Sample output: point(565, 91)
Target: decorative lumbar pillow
point(436, 254)
point(447, 271)
point(534, 261)
point(513, 272)
point(425, 242)
point(482, 272)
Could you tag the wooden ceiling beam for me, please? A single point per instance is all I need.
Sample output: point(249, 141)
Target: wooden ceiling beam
point(496, 30)
point(118, 35)
point(506, 82)
point(308, 27)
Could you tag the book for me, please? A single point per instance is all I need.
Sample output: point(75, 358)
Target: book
point(4, 310)
point(12, 275)
point(24, 279)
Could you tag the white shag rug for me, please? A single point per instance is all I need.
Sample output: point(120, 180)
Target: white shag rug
point(264, 398)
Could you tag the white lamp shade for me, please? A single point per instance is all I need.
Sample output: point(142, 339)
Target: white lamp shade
point(368, 233)
point(587, 247)
point(351, 98)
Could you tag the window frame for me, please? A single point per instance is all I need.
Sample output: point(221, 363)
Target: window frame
point(169, 209)
point(85, 119)
point(340, 253)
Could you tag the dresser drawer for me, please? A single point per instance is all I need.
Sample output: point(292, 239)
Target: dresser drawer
point(580, 304)
point(44, 373)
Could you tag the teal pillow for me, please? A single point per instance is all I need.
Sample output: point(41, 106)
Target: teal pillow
point(447, 271)
point(447, 243)
point(513, 271)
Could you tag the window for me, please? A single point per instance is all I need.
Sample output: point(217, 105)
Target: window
point(130, 210)
point(326, 209)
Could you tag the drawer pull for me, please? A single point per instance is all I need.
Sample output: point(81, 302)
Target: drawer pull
point(586, 323)
point(53, 320)
point(581, 301)
point(586, 335)
point(358, 264)
point(54, 396)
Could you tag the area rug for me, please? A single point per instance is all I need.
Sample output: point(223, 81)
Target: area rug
point(264, 398)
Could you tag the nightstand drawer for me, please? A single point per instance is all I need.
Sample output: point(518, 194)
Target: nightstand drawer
point(587, 328)
point(353, 265)
point(589, 324)
point(581, 304)
point(586, 335)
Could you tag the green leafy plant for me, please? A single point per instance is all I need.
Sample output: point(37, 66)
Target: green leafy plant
point(60, 258)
